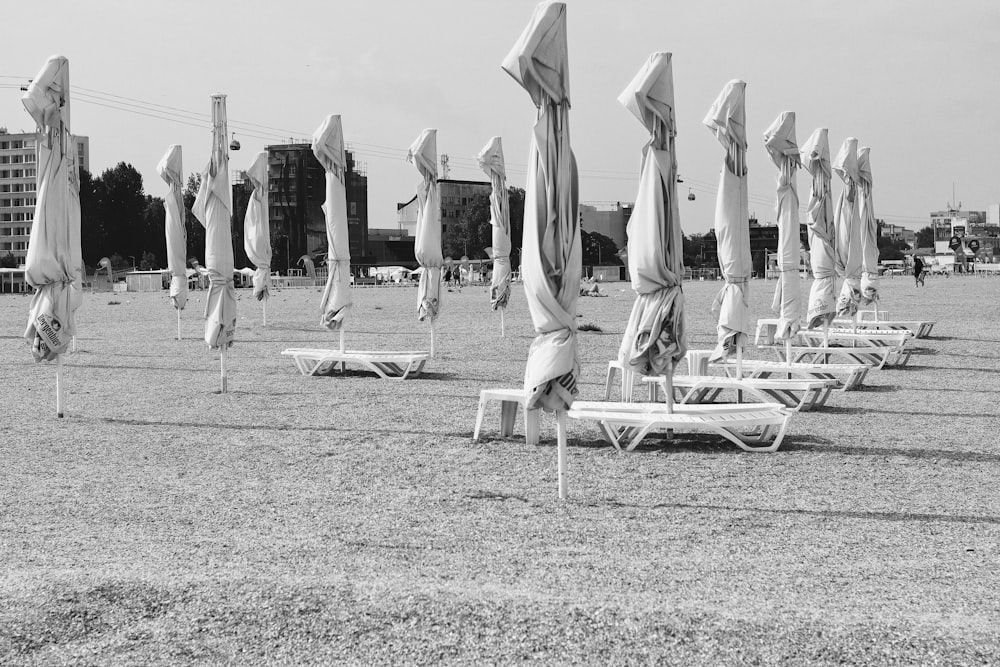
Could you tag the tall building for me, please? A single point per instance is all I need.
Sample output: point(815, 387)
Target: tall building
point(955, 222)
point(18, 188)
point(609, 220)
point(456, 199)
point(296, 192)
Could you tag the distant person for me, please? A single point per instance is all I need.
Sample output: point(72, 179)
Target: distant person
point(918, 272)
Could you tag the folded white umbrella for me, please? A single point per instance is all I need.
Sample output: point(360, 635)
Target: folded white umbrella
point(491, 161)
point(822, 306)
point(869, 231)
point(779, 139)
point(171, 170)
point(727, 119)
point(328, 147)
point(551, 258)
point(848, 228)
point(427, 244)
point(54, 257)
point(257, 230)
point(213, 208)
point(654, 336)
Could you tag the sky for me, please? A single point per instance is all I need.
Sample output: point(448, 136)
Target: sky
point(918, 81)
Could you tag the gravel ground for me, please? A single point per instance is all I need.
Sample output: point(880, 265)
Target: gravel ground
point(351, 519)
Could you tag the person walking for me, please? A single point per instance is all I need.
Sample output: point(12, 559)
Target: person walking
point(918, 272)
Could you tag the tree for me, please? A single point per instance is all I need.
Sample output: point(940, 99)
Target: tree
point(891, 249)
point(925, 237)
point(8, 261)
point(473, 231)
point(121, 203)
point(195, 232)
point(598, 249)
point(693, 248)
point(93, 238)
point(154, 219)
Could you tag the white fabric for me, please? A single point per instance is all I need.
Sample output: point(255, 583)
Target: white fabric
point(427, 244)
point(54, 260)
point(848, 228)
point(654, 336)
point(328, 147)
point(492, 163)
point(551, 255)
point(727, 119)
point(257, 229)
point(213, 208)
point(171, 170)
point(822, 305)
point(779, 139)
point(869, 230)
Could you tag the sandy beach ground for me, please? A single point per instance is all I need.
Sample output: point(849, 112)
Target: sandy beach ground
point(352, 519)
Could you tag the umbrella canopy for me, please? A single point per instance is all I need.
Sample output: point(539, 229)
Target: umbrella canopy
point(309, 265)
point(328, 147)
point(822, 233)
point(256, 227)
point(848, 228)
point(654, 335)
point(54, 257)
point(784, 151)
point(551, 255)
point(427, 244)
point(491, 162)
point(727, 119)
point(213, 207)
point(171, 171)
point(869, 230)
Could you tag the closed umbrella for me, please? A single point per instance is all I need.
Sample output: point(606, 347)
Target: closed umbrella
point(491, 161)
point(171, 171)
point(779, 139)
point(213, 207)
point(427, 244)
point(822, 306)
point(257, 231)
point(848, 228)
point(54, 256)
point(654, 336)
point(551, 255)
point(869, 232)
point(727, 119)
point(328, 147)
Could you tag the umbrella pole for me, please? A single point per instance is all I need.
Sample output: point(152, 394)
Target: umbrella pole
point(561, 453)
point(670, 388)
point(265, 312)
point(739, 360)
point(178, 323)
point(788, 351)
point(59, 387)
point(432, 338)
point(854, 326)
point(501, 322)
point(222, 365)
point(74, 344)
point(341, 338)
point(826, 333)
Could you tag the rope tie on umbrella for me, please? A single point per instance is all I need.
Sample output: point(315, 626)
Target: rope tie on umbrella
point(737, 281)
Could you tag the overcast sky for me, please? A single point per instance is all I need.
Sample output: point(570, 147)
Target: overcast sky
point(916, 80)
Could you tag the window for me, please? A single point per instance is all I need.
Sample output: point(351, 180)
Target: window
point(4, 159)
point(6, 246)
point(19, 217)
point(17, 202)
point(5, 217)
point(29, 158)
point(16, 159)
point(30, 187)
point(5, 173)
point(354, 208)
point(21, 245)
point(29, 201)
point(17, 144)
point(29, 143)
point(5, 187)
point(29, 173)
point(4, 202)
point(17, 173)
point(4, 145)
point(18, 187)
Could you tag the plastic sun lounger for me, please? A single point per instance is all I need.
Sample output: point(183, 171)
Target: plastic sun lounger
point(893, 343)
point(848, 376)
point(749, 427)
point(387, 365)
point(797, 394)
point(867, 333)
point(920, 328)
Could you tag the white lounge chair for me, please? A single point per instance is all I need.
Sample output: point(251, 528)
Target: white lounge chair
point(798, 394)
point(510, 400)
point(881, 348)
point(920, 328)
point(754, 428)
point(387, 365)
point(849, 376)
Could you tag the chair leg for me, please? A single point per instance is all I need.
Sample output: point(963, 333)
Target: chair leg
point(532, 429)
point(609, 382)
point(479, 418)
point(508, 413)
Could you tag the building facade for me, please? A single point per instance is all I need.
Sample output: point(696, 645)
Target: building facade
point(899, 233)
point(19, 189)
point(296, 192)
point(456, 200)
point(609, 220)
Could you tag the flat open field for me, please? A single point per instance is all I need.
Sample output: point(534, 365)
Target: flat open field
point(351, 519)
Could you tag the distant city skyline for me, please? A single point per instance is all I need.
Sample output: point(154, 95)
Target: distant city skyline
point(914, 82)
